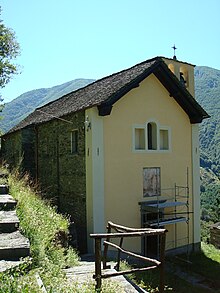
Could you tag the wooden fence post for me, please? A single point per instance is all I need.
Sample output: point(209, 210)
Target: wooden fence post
point(162, 258)
point(106, 249)
point(98, 264)
point(119, 255)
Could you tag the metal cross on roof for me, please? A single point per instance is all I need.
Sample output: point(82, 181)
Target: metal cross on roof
point(174, 49)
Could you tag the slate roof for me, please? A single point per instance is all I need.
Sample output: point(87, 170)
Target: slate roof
point(105, 92)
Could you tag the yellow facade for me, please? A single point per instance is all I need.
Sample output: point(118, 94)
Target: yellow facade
point(124, 166)
point(118, 166)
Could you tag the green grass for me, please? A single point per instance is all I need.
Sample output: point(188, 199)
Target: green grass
point(206, 264)
point(47, 231)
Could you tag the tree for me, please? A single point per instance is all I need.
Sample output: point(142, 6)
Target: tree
point(9, 50)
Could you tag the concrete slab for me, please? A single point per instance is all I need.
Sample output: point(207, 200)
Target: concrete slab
point(7, 202)
point(13, 246)
point(9, 264)
point(83, 274)
point(9, 221)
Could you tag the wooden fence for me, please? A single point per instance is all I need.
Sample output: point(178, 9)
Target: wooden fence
point(215, 235)
point(122, 232)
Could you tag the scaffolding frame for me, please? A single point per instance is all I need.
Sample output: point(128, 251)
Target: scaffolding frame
point(177, 203)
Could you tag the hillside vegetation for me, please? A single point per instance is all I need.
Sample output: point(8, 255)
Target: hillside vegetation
point(207, 82)
point(22, 106)
point(207, 87)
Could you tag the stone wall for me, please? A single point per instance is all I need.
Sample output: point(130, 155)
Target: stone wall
point(61, 173)
point(28, 140)
point(45, 152)
point(12, 149)
point(18, 150)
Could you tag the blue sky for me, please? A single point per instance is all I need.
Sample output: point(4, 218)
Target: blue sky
point(64, 40)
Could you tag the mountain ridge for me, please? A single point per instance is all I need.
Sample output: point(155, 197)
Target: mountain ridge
point(207, 89)
point(23, 105)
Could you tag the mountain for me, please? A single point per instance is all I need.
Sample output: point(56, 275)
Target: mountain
point(19, 108)
point(207, 88)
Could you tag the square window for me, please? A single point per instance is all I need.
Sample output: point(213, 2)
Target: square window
point(74, 142)
point(164, 139)
point(139, 139)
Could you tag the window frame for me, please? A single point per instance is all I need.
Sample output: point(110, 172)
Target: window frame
point(157, 137)
point(137, 130)
point(167, 129)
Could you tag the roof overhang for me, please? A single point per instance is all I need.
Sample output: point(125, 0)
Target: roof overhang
point(192, 108)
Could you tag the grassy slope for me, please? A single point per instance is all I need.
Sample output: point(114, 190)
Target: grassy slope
point(46, 231)
point(205, 265)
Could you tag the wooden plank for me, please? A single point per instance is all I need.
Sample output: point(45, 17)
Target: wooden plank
point(151, 232)
point(108, 275)
point(134, 254)
point(127, 229)
point(164, 222)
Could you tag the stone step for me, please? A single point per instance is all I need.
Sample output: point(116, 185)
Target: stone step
point(4, 189)
point(9, 221)
point(7, 202)
point(6, 265)
point(13, 246)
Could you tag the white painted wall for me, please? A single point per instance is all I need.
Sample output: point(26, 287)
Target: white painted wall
point(196, 182)
point(94, 175)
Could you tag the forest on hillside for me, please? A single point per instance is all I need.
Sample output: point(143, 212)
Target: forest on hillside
point(207, 87)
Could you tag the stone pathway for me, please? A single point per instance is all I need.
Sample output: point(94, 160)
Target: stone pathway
point(83, 274)
point(13, 245)
point(196, 280)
